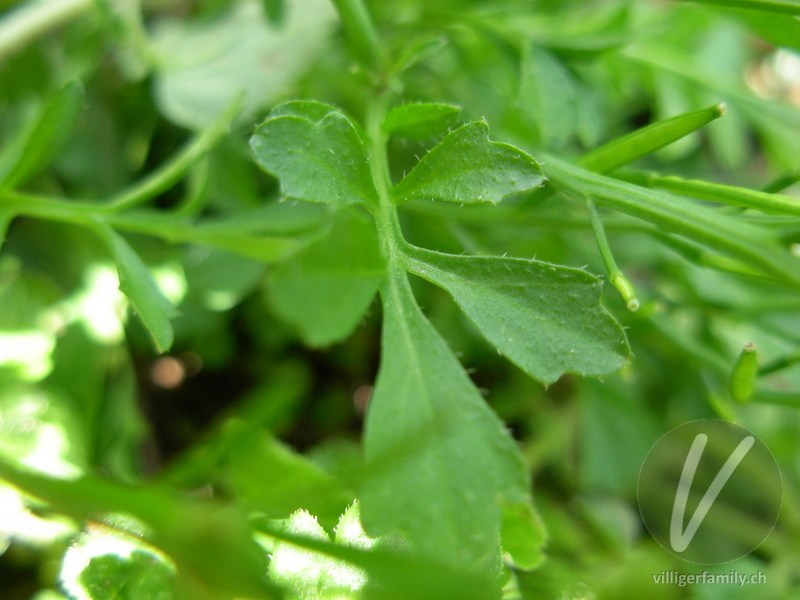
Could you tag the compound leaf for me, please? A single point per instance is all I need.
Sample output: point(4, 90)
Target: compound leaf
point(137, 283)
point(467, 167)
point(420, 121)
point(547, 319)
point(325, 289)
point(317, 157)
point(430, 435)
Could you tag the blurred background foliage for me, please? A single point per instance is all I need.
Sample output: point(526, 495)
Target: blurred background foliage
point(83, 392)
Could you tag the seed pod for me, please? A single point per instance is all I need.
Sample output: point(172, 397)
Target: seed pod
point(745, 369)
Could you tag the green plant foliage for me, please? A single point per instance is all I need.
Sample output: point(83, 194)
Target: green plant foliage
point(420, 121)
point(279, 318)
point(467, 167)
point(47, 136)
point(545, 318)
point(469, 461)
point(323, 293)
point(137, 283)
point(317, 158)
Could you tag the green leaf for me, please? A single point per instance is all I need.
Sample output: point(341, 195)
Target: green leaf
point(184, 529)
point(137, 283)
point(309, 575)
point(325, 289)
point(547, 96)
point(648, 139)
point(203, 65)
point(420, 121)
point(46, 139)
point(316, 159)
point(139, 576)
point(523, 535)
point(547, 319)
point(440, 463)
point(306, 109)
point(467, 167)
point(292, 481)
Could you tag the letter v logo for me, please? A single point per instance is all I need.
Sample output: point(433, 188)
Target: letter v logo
point(679, 538)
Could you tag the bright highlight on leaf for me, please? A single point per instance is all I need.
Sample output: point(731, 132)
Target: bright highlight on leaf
point(466, 167)
point(317, 159)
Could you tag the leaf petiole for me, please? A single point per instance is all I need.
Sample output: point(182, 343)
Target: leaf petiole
point(615, 275)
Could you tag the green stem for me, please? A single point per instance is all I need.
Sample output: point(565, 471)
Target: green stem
point(615, 275)
point(23, 25)
point(172, 171)
point(362, 33)
point(782, 182)
point(780, 363)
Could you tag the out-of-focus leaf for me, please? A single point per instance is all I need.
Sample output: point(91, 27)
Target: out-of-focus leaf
point(276, 481)
point(202, 67)
point(181, 528)
point(137, 283)
point(317, 160)
point(429, 434)
point(275, 10)
point(420, 121)
point(547, 96)
point(325, 289)
point(546, 318)
point(466, 167)
point(45, 140)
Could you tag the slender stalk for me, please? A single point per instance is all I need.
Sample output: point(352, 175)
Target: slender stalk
point(615, 275)
point(782, 182)
point(172, 171)
point(780, 363)
point(362, 34)
point(35, 18)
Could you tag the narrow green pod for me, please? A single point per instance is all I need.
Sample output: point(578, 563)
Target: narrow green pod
point(778, 204)
point(648, 139)
point(745, 371)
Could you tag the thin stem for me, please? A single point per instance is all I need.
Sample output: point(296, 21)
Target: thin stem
point(172, 171)
point(780, 363)
point(782, 182)
point(362, 33)
point(23, 25)
point(615, 275)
